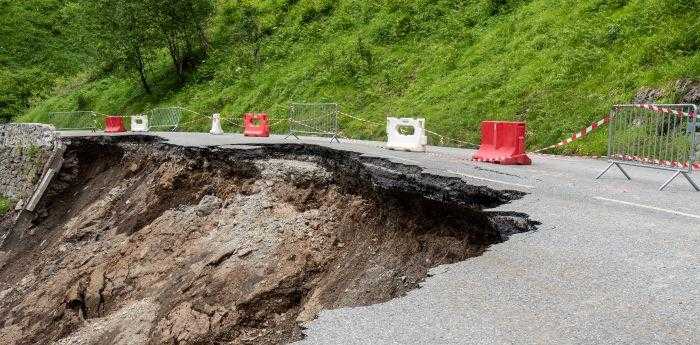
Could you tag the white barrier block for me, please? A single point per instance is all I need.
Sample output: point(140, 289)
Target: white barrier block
point(139, 123)
point(407, 142)
point(216, 125)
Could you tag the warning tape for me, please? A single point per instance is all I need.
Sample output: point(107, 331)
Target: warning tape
point(426, 130)
point(231, 121)
point(196, 119)
point(582, 133)
point(667, 163)
point(121, 116)
point(452, 139)
point(662, 109)
point(578, 135)
point(362, 120)
point(431, 153)
point(238, 122)
point(277, 122)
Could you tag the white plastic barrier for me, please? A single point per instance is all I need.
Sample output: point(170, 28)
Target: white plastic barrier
point(139, 123)
point(216, 125)
point(396, 140)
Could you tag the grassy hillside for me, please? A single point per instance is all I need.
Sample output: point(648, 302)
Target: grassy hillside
point(556, 64)
point(34, 54)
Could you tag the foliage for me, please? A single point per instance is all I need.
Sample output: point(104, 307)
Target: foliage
point(33, 54)
point(5, 204)
point(118, 31)
point(129, 34)
point(559, 65)
point(32, 151)
point(181, 24)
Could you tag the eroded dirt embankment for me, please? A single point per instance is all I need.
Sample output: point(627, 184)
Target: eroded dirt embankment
point(141, 242)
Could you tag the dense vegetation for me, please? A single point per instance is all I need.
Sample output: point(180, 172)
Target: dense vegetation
point(556, 64)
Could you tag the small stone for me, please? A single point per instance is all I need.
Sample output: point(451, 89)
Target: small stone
point(207, 205)
point(244, 252)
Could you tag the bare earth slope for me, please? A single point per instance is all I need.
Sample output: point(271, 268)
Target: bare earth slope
point(139, 242)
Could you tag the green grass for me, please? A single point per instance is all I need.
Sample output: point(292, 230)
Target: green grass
point(5, 205)
point(35, 54)
point(559, 65)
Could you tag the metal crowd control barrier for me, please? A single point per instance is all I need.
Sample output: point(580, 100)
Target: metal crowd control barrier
point(659, 136)
point(315, 119)
point(165, 118)
point(76, 120)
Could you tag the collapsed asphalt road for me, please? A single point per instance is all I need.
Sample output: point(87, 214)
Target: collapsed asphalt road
point(140, 241)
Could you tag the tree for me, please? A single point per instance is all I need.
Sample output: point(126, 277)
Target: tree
point(129, 32)
point(118, 31)
point(181, 25)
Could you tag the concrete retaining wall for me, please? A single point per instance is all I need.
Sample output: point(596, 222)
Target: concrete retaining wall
point(25, 151)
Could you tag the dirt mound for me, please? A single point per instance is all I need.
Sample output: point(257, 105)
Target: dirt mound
point(140, 242)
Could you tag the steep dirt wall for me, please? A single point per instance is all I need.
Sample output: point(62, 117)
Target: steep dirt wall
point(139, 242)
point(24, 151)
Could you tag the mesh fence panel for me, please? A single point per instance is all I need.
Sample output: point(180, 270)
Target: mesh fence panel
point(164, 118)
point(76, 120)
point(314, 119)
point(661, 136)
point(664, 137)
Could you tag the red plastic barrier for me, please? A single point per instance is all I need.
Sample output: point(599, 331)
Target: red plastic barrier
point(114, 124)
point(503, 143)
point(250, 129)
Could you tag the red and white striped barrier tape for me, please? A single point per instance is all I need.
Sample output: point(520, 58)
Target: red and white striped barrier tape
point(578, 135)
point(662, 109)
point(667, 163)
point(582, 133)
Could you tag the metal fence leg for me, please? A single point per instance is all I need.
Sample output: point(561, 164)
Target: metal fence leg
point(692, 183)
point(670, 180)
point(610, 166)
point(604, 171)
point(623, 171)
point(291, 134)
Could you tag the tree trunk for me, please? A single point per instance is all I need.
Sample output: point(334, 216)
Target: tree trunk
point(142, 70)
point(175, 55)
point(203, 41)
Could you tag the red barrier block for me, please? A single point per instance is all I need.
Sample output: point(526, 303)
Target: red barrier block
point(251, 129)
point(114, 124)
point(503, 143)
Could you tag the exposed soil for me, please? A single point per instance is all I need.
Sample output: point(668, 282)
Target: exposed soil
point(138, 242)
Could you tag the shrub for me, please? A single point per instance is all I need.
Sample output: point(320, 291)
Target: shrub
point(5, 204)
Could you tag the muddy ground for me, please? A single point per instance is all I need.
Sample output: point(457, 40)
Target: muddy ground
point(139, 242)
